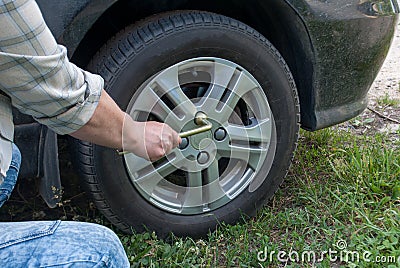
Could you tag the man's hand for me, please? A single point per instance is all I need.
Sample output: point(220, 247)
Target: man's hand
point(149, 140)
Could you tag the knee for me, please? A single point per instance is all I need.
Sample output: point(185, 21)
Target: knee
point(114, 248)
point(100, 241)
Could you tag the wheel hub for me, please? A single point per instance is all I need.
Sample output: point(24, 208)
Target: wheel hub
point(201, 141)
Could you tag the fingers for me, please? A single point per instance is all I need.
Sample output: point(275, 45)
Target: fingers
point(173, 136)
point(149, 140)
point(160, 140)
point(170, 139)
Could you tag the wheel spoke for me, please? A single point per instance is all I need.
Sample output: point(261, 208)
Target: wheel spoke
point(149, 183)
point(168, 80)
point(168, 84)
point(147, 101)
point(256, 132)
point(149, 177)
point(212, 172)
point(136, 163)
point(242, 86)
point(246, 153)
point(221, 77)
point(151, 102)
point(193, 196)
point(213, 190)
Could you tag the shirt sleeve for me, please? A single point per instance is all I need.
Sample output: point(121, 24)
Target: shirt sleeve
point(36, 73)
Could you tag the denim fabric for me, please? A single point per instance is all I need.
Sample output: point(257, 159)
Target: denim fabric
point(55, 243)
point(11, 179)
point(59, 244)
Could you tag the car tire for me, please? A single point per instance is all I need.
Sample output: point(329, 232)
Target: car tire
point(141, 53)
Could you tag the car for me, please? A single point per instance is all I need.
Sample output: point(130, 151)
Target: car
point(238, 77)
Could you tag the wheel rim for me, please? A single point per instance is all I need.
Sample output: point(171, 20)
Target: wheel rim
point(209, 169)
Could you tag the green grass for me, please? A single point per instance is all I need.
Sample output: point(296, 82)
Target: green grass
point(388, 101)
point(342, 188)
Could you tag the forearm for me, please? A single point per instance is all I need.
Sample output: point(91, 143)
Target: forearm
point(105, 126)
point(111, 127)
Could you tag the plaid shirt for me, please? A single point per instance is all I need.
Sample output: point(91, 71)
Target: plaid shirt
point(37, 75)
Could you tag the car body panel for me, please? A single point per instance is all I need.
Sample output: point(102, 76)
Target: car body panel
point(77, 18)
point(350, 39)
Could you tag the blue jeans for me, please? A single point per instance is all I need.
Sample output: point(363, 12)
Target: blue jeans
point(11, 179)
point(55, 243)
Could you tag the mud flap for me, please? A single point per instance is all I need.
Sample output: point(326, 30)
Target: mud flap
point(49, 181)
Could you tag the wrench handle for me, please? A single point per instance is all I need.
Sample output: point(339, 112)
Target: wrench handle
point(206, 127)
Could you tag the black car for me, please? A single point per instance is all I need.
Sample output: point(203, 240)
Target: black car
point(256, 70)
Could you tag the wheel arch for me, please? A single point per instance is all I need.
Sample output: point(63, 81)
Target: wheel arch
point(285, 30)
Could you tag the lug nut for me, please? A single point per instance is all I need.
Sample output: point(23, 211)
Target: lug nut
point(220, 134)
point(203, 158)
point(184, 143)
